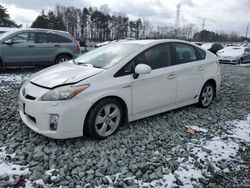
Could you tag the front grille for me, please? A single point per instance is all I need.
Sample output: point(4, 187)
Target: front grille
point(30, 97)
point(224, 61)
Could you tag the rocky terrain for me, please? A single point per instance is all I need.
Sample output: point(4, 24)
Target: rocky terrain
point(159, 151)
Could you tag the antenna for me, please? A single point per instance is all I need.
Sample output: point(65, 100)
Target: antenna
point(247, 30)
point(178, 13)
point(203, 24)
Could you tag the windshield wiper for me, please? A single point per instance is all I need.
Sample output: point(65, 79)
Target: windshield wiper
point(86, 64)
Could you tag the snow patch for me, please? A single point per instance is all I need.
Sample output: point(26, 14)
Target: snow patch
point(8, 168)
point(17, 79)
point(209, 152)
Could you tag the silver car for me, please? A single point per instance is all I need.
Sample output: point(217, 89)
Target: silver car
point(31, 47)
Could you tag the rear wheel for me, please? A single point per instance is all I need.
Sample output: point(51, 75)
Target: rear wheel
point(104, 119)
point(62, 59)
point(207, 95)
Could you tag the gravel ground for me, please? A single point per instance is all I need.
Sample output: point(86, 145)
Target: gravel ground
point(152, 152)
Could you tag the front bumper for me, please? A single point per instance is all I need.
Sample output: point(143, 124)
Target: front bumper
point(228, 60)
point(36, 114)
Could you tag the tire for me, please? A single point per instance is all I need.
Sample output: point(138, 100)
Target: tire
point(240, 61)
point(62, 59)
point(206, 96)
point(100, 123)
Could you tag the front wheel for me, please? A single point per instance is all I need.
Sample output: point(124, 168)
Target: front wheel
point(104, 119)
point(207, 95)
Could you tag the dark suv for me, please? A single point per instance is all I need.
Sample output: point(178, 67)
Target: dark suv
point(43, 47)
point(212, 47)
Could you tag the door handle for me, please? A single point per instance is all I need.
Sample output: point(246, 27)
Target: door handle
point(31, 46)
point(57, 45)
point(200, 68)
point(171, 76)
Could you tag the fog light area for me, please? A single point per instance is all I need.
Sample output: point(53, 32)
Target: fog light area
point(54, 122)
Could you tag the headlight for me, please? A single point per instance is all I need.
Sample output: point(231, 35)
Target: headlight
point(63, 92)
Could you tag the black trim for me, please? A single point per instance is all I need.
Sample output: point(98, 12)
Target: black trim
point(121, 72)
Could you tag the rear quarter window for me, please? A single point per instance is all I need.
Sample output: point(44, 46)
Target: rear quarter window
point(201, 54)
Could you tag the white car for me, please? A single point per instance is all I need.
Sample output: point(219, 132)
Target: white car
point(121, 82)
point(234, 55)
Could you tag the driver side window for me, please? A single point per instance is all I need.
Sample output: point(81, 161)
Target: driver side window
point(26, 37)
point(156, 57)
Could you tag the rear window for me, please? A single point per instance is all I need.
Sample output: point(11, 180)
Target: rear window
point(61, 39)
point(51, 38)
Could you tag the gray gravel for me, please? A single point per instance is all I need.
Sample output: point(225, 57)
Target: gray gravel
point(146, 150)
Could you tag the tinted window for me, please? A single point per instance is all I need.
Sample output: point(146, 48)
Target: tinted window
point(201, 53)
point(185, 53)
point(41, 38)
point(156, 57)
point(61, 39)
point(24, 37)
point(51, 38)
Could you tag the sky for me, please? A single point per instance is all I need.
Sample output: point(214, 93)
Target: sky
point(219, 15)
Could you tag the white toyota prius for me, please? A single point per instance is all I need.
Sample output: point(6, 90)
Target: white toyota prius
point(121, 82)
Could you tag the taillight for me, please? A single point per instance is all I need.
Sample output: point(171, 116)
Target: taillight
point(77, 43)
point(78, 46)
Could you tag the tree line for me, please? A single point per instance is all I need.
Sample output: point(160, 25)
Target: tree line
point(91, 23)
point(100, 24)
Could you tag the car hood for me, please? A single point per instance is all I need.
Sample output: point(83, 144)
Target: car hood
point(231, 53)
point(65, 73)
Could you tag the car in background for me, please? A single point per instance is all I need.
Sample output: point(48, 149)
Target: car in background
point(234, 55)
point(37, 47)
point(82, 41)
point(118, 83)
point(212, 47)
point(102, 44)
point(198, 43)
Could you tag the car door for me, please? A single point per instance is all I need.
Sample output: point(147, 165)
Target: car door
point(189, 74)
point(157, 89)
point(22, 51)
point(45, 45)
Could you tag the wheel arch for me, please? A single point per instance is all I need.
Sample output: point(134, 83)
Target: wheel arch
point(63, 53)
point(214, 84)
point(119, 99)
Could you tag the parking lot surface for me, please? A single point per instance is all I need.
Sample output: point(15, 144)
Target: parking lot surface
point(161, 151)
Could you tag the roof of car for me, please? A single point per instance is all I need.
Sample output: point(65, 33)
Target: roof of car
point(40, 29)
point(147, 41)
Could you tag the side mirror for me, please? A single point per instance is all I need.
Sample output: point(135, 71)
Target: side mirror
point(142, 69)
point(8, 42)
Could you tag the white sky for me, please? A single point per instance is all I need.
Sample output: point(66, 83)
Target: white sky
point(220, 15)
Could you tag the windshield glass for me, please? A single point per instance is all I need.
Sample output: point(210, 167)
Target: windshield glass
point(108, 56)
point(207, 45)
point(2, 35)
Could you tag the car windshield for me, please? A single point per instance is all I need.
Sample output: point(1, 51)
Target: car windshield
point(207, 45)
point(107, 56)
point(3, 35)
